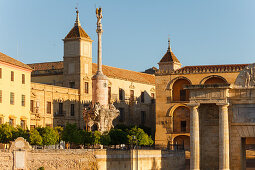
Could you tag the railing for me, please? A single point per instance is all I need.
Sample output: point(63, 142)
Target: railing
point(59, 114)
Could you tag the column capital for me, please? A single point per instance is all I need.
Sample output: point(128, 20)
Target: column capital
point(193, 105)
point(222, 104)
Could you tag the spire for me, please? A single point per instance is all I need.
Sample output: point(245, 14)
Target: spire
point(169, 47)
point(77, 22)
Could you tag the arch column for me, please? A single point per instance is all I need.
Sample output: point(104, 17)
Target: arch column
point(223, 137)
point(194, 137)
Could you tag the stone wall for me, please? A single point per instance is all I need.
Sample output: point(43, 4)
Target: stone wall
point(22, 156)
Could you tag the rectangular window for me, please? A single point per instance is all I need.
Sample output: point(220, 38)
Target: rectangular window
point(23, 100)
point(11, 98)
point(183, 126)
point(11, 122)
point(49, 107)
point(132, 95)
point(121, 94)
point(32, 106)
point(182, 95)
point(142, 97)
point(1, 96)
point(72, 110)
point(109, 94)
point(143, 117)
point(23, 78)
point(86, 90)
point(23, 124)
point(12, 76)
point(122, 114)
point(72, 84)
point(60, 108)
point(0, 73)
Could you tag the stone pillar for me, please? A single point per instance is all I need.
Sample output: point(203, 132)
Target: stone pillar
point(194, 137)
point(223, 137)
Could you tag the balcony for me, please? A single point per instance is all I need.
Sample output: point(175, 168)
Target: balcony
point(60, 114)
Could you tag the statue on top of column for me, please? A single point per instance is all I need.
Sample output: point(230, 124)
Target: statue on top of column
point(99, 16)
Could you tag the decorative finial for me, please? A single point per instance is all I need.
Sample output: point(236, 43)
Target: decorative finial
point(77, 22)
point(169, 47)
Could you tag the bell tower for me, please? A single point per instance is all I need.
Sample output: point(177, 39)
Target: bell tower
point(78, 61)
point(169, 61)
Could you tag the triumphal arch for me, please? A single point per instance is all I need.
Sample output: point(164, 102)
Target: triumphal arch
point(209, 109)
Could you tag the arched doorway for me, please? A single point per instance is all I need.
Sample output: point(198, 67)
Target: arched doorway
point(181, 120)
point(178, 93)
point(215, 80)
point(183, 140)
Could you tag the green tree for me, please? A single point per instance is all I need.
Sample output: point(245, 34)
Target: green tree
point(96, 137)
point(88, 138)
point(141, 137)
point(49, 135)
point(118, 137)
point(35, 138)
point(19, 132)
point(72, 135)
point(6, 133)
point(105, 139)
point(59, 131)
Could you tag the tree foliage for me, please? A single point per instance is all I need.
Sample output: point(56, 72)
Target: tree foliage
point(6, 133)
point(141, 138)
point(35, 137)
point(118, 137)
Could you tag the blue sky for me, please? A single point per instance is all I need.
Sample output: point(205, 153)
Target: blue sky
point(135, 34)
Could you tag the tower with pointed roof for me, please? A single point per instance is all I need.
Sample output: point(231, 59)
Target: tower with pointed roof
point(78, 60)
point(169, 61)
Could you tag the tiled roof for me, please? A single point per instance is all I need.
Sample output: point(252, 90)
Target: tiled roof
point(77, 32)
point(211, 68)
point(47, 66)
point(10, 60)
point(109, 71)
point(129, 75)
point(169, 57)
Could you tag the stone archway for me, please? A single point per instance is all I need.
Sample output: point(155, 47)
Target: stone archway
point(183, 140)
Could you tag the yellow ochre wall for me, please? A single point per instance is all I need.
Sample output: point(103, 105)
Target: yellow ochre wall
point(15, 111)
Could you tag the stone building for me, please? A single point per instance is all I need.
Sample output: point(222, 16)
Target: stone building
point(209, 109)
point(14, 91)
point(60, 90)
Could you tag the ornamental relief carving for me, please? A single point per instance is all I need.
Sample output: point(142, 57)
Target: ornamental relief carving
point(246, 78)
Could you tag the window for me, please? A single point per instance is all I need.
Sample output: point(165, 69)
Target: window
point(152, 98)
point(109, 94)
point(182, 95)
point(11, 98)
point(142, 97)
point(143, 117)
point(72, 110)
point(132, 95)
point(60, 108)
point(0, 73)
point(86, 90)
point(183, 126)
point(12, 76)
point(121, 94)
point(49, 107)
point(32, 106)
point(122, 114)
point(23, 99)
point(168, 99)
point(11, 122)
point(72, 84)
point(23, 78)
point(1, 96)
point(23, 124)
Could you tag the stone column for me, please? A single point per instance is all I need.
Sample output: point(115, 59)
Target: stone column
point(194, 137)
point(223, 137)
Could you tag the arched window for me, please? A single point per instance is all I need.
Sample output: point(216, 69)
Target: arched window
point(180, 94)
point(181, 120)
